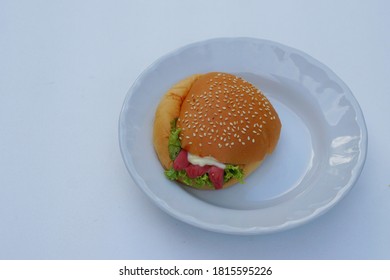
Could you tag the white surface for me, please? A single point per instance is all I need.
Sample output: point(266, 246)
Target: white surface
point(65, 68)
point(315, 107)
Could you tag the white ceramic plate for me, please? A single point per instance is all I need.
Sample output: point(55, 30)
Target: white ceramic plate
point(319, 157)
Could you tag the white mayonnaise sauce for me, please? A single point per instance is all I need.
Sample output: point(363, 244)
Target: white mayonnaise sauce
point(202, 161)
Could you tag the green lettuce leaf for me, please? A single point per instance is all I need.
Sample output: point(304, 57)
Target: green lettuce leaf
point(231, 171)
point(174, 145)
point(171, 174)
point(181, 175)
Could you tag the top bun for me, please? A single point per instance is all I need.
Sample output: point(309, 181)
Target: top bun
point(229, 119)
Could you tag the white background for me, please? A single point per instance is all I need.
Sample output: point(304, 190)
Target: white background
point(65, 68)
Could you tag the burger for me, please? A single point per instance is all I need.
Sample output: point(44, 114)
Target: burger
point(212, 130)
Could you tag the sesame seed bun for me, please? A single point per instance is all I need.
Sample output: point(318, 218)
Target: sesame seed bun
point(220, 115)
point(228, 118)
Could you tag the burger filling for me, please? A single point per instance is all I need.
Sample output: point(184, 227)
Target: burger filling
point(197, 171)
